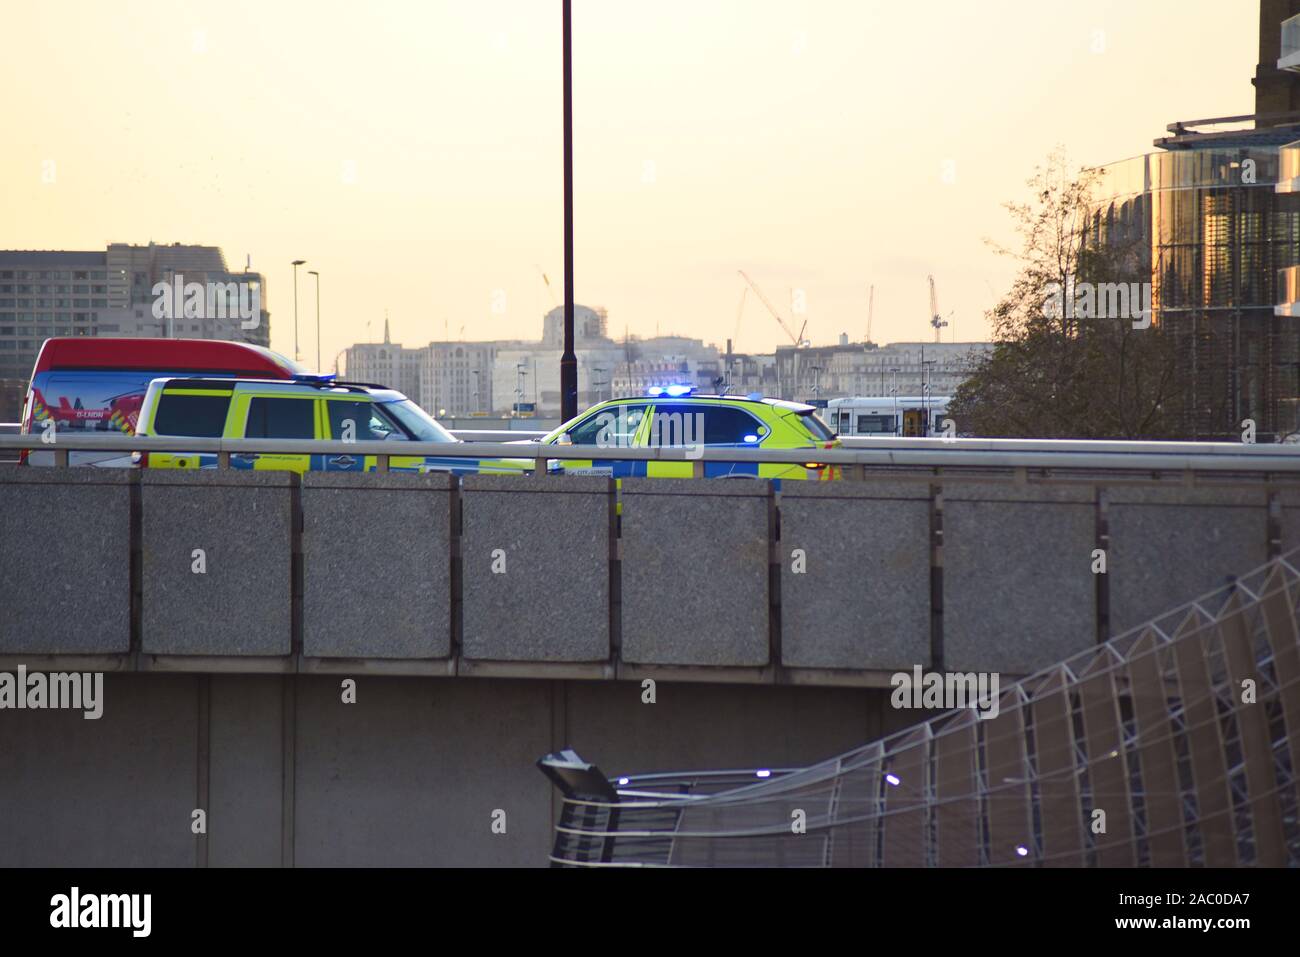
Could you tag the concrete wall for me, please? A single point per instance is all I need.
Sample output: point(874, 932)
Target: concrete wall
point(840, 583)
point(465, 676)
point(411, 774)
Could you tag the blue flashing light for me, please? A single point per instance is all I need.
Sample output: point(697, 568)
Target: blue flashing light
point(673, 391)
point(313, 377)
point(751, 438)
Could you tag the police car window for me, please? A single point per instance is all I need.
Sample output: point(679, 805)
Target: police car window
point(200, 416)
point(369, 423)
point(281, 419)
point(614, 427)
point(723, 425)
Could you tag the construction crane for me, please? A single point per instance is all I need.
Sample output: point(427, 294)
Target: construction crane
point(798, 340)
point(740, 312)
point(936, 320)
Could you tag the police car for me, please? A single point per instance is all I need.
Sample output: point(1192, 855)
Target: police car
point(675, 417)
point(307, 407)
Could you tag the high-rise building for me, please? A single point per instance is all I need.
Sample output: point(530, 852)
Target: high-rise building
point(46, 293)
point(1217, 225)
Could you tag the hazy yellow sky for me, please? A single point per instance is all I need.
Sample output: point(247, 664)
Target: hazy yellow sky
point(411, 151)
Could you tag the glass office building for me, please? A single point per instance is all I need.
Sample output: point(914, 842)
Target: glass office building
point(1217, 237)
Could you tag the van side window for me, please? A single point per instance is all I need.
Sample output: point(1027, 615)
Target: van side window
point(281, 419)
point(199, 416)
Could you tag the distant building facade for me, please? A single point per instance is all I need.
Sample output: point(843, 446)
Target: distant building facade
point(902, 368)
point(110, 292)
point(505, 376)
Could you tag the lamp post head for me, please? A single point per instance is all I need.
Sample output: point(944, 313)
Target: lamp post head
point(312, 272)
point(298, 262)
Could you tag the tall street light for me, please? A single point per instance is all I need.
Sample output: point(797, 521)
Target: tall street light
point(568, 361)
point(312, 272)
point(296, 264)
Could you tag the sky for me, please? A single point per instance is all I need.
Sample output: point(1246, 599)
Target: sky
point(411, 150)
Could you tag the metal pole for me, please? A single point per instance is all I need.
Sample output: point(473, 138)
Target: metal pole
point(317, 275)
point(568, 360)
point(296, 264)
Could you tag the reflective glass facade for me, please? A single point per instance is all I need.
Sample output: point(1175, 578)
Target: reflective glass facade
point(1216, 234)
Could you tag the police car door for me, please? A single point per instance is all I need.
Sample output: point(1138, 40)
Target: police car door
point(613, 427)
point(278, 417)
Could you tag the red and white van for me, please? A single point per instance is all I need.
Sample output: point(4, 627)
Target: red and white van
point(86, 384)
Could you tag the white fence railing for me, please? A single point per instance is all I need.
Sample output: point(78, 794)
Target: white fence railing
point(870, 453)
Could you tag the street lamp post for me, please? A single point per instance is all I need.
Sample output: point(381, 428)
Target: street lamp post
point(520, 372)
point(893, 390)
point(296, 264)
point(312, 272)
point(568, 359)
point(927, 390)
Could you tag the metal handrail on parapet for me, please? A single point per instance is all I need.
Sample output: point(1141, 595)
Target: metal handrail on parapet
point(913, 452)
point(496, 435)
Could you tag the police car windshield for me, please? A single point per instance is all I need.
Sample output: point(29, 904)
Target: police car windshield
point(417, 422)
point(818, 428)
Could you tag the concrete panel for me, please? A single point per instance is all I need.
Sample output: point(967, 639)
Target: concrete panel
point(113, 792)
point(65, 552)
point(550, 541)
point(864, 599)
point(1018, 588)
point(411, 774)
point(241, 604)
point(376, 565)
point(695, 572)
point(1289, 500)
point(722, 726)
point(1169, 546)
point(245, 760)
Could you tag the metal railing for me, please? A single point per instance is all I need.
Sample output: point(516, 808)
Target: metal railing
point(496, 435)
point(867, 453)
